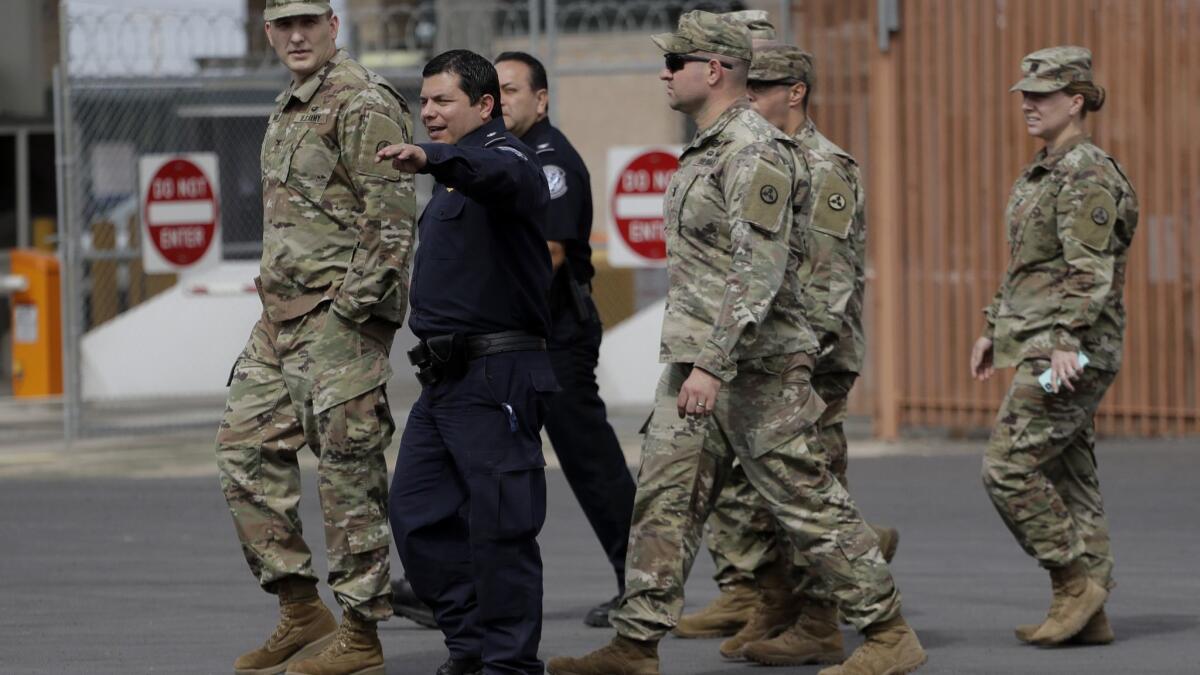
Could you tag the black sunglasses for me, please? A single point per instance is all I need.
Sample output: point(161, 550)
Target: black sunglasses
point(676, 62)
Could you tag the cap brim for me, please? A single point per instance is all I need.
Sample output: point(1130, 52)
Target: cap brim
point(1036, 85)
point(295, 9)
point(670, 43)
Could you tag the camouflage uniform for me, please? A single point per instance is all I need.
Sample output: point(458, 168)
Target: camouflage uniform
point(741, 535)
point(1071, 220)
point(736, 216)
point(337, 244)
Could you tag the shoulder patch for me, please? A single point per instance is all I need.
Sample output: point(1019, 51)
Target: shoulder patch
point(834, 207)
point(556, 180)
point(765, 197)
point(1092, 221)
point(380, 132)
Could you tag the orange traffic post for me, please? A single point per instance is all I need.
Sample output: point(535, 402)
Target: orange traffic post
point(37, 325)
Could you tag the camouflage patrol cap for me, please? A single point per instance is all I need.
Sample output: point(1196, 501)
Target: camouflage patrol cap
point(280, 9)
point(1051, 69)
point(755, 21)
point(701, 31)
point(773, 63)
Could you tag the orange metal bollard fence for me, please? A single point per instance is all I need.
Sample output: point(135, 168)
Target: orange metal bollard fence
point(37, 325)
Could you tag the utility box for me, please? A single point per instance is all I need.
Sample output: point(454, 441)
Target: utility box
point(36, 325)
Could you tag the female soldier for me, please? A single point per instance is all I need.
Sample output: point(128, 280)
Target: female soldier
point(1071, 219)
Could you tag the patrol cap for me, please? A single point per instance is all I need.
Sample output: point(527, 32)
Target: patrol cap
point(1051, 69)
point(701, 31)
point(281, 9)
point(773, 63)
point(755, 21)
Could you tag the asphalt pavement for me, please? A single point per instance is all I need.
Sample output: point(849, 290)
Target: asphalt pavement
point(101, 573)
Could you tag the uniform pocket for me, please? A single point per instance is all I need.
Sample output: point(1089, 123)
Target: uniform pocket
point(310, 166)
point(369, 537)
point(349, 380)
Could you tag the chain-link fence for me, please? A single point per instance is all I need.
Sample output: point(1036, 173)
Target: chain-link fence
point(152, 351)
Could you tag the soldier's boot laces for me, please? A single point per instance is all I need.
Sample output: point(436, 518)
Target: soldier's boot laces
point(1096, 632)
point(305, 627)
point(723, 617)
point(354, 650)
point(889, 541)
point(1077, 598)
point(774, 612)
point(813, 638)
point(622, 656)
point(891, 648)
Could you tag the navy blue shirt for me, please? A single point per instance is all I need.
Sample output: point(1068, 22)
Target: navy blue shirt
point(482, 265)
point(569, 217)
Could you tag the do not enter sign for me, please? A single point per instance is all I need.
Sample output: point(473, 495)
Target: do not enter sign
point(638, 181)
point(180, 212)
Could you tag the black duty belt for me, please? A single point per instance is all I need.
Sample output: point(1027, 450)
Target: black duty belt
point(446, 356)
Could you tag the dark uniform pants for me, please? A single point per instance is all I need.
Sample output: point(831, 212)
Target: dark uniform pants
point(585, 443)
point(468, 499)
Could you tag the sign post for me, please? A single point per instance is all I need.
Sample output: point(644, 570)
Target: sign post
point(638, 178)
point(180, 209)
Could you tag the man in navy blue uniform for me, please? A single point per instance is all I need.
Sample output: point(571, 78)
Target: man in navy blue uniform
point(469, 493)
point(577, 422)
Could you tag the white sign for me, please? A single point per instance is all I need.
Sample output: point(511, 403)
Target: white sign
point(180, 212)
point(637, 182)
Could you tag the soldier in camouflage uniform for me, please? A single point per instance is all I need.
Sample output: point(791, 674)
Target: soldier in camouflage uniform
point(1071, 220)
point(739, 355)
point(785, 629)
point(337, 243)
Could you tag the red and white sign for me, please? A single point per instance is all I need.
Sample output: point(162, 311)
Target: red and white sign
point(637, 182)
point(181, 212)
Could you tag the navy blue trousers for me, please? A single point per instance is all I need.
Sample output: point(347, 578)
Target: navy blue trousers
point(585, 443)
point(467, 501)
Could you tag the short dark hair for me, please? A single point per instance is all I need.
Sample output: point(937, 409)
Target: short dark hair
point(537, 72)
point(476, 75)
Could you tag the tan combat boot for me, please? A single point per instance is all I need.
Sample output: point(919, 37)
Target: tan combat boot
point(722, 617)
point(622, 656)
point(355, 650)
point(775, 610)
point(1077, 598)
point(891, 648)
point(305, 627)
point(814, 638)
point(889, 540)
point(1096, 632)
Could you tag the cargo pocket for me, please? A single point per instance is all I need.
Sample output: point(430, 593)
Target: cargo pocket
point(350, 380)
point(369, 537)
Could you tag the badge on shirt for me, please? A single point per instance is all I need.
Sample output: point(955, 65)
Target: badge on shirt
point(1100, 215)
point(837, 201)
point(556, 180)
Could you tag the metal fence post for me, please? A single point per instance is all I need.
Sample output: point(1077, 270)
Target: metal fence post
point(552, 53)
point(785, 22)
point(68, 255)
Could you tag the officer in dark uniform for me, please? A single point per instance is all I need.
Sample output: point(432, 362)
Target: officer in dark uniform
point(577, 422)
point(469, 493)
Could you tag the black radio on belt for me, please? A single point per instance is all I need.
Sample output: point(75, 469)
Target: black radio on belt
point(447, 356)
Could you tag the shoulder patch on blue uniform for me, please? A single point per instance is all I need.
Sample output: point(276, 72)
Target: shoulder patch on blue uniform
point(556, 180)
point(518, 153)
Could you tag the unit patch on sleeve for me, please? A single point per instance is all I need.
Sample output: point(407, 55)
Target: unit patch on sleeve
point(556, 180)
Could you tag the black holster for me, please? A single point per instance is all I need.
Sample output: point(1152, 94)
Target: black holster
point(438, 358)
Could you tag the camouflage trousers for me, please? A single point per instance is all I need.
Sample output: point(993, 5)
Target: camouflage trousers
point(741, 533)
point(1040, 470)
point(763, 418)
point(317, 380)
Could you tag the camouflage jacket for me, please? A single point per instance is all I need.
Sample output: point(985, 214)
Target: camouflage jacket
point(835, 268)
point(1071, 219)
point(732, 267)
point(335, 223)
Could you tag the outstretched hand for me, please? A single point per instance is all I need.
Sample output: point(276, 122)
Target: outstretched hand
point(405, 157)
